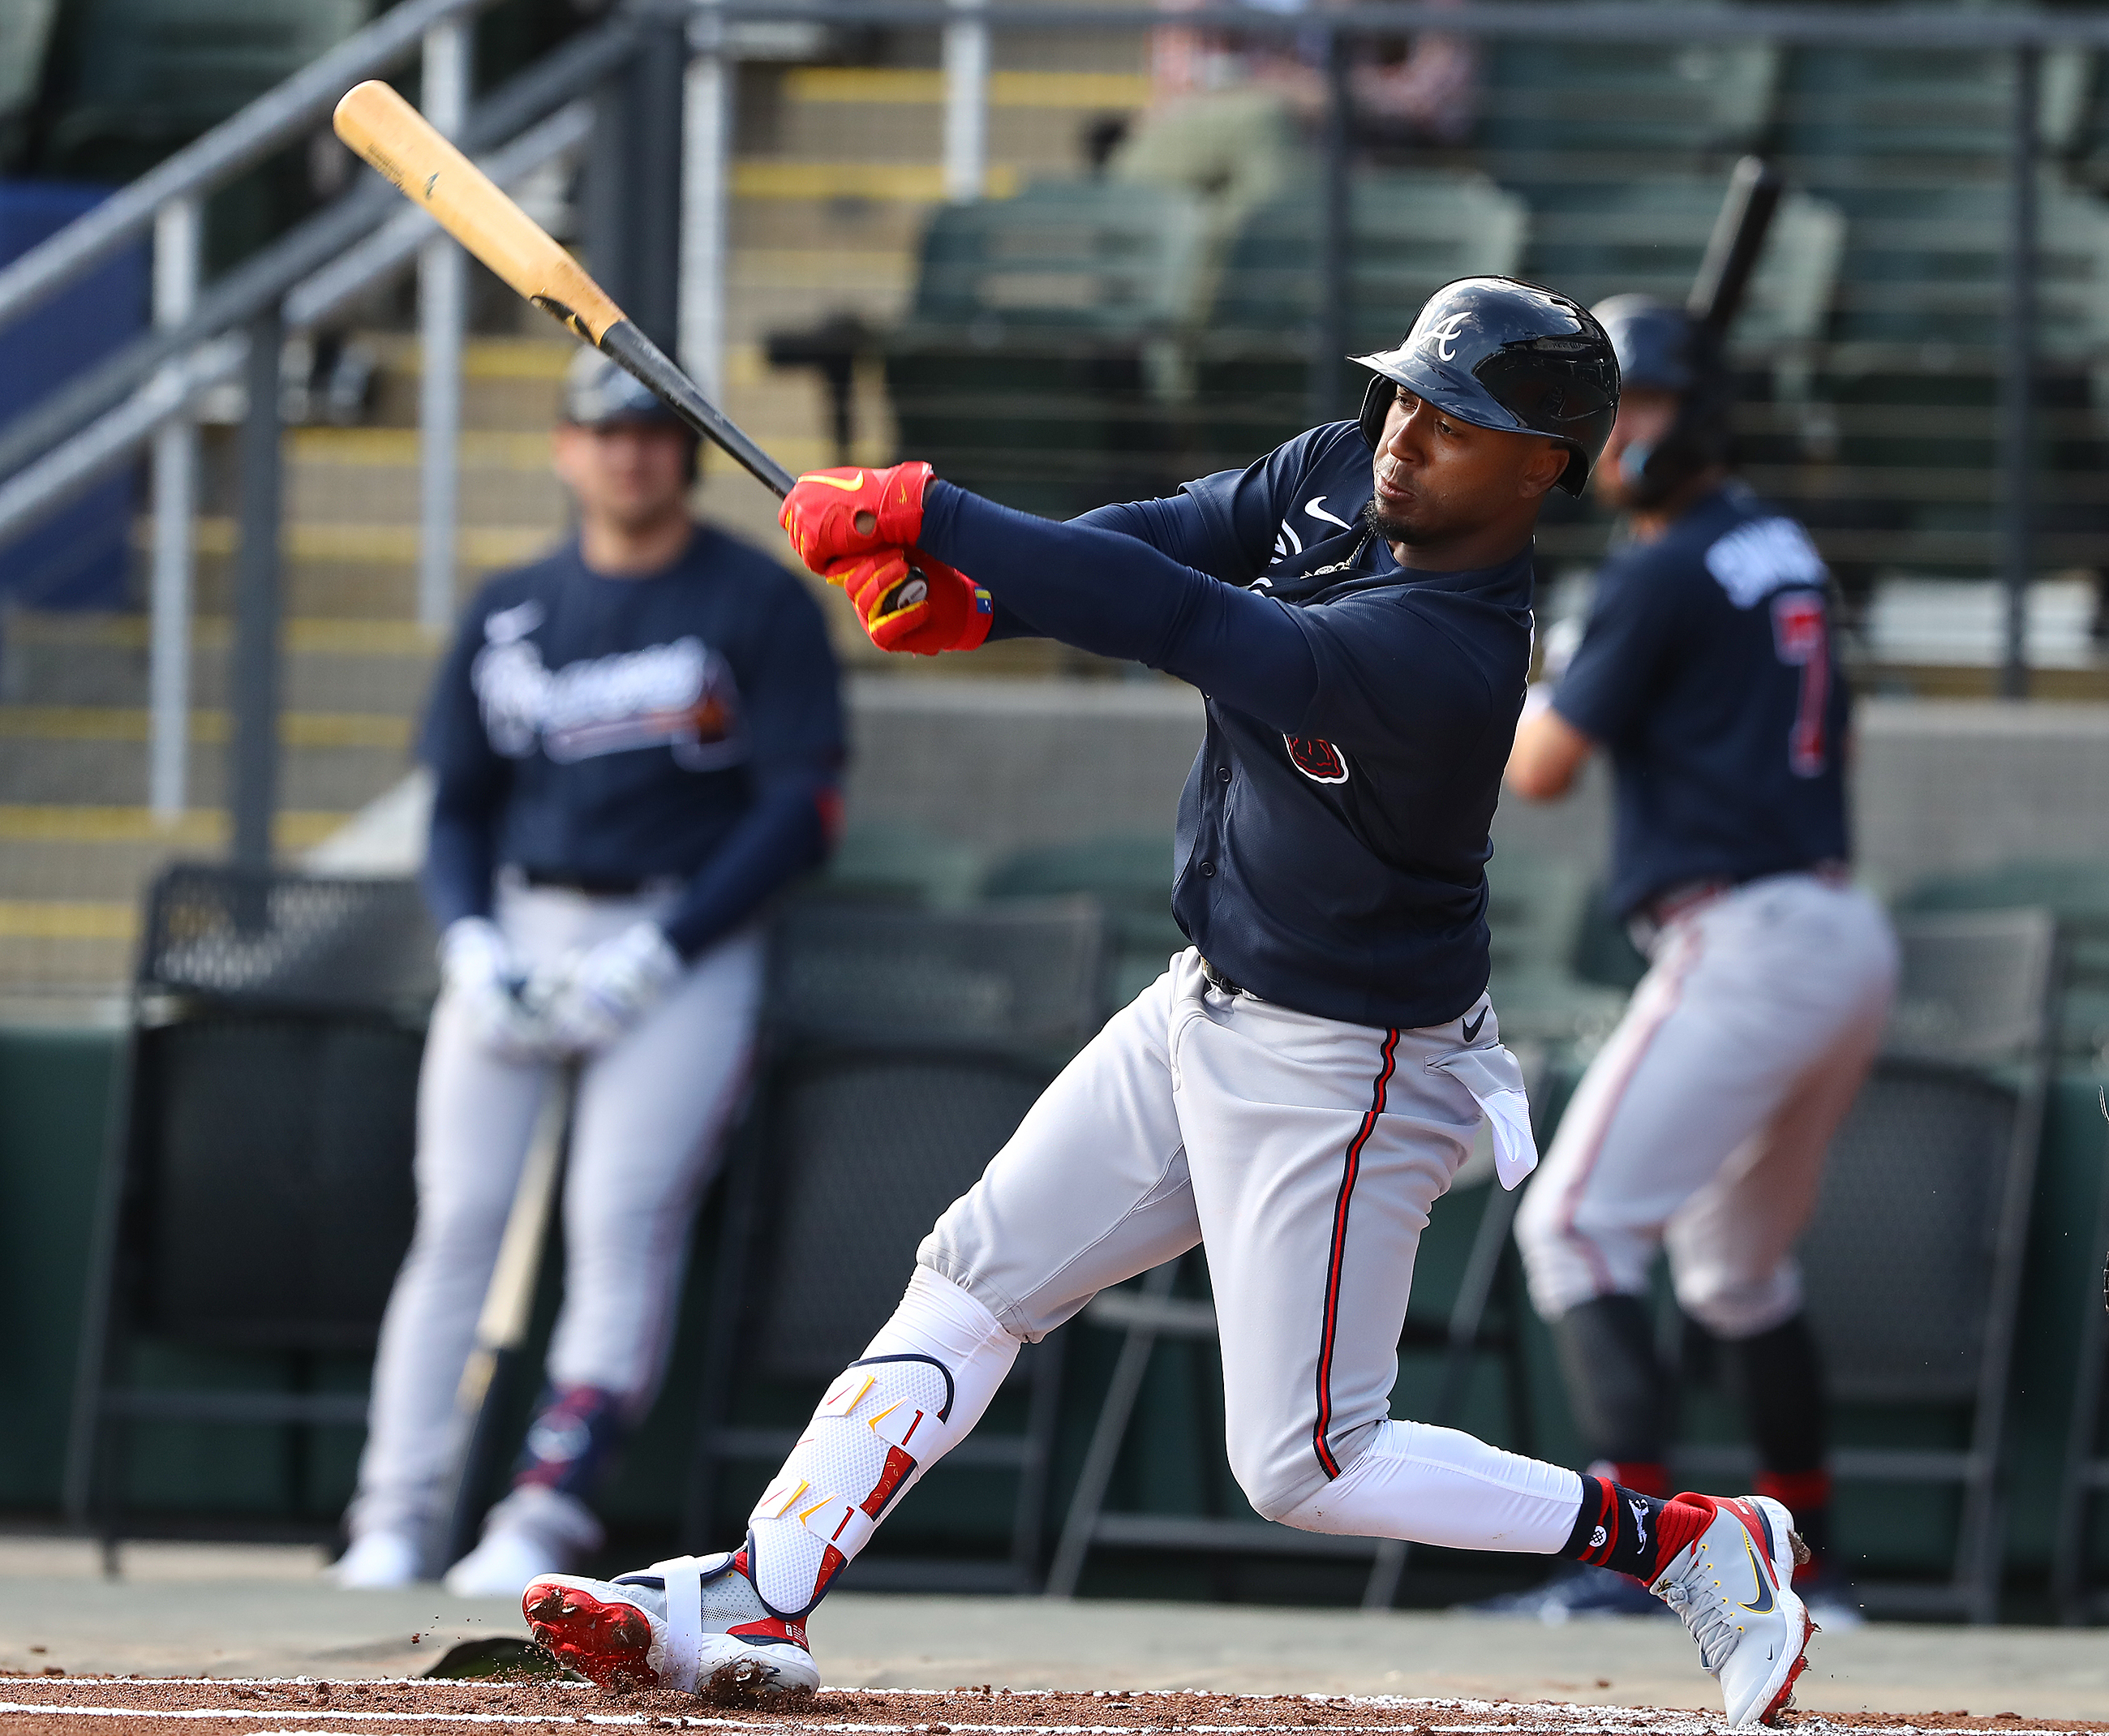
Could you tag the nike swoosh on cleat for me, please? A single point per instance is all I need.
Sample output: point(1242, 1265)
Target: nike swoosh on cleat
point(1472, 1028)
point(1764, 1585)
point(850, 487)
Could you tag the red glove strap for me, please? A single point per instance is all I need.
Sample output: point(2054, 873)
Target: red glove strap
point(926, 610)
point(834, 514)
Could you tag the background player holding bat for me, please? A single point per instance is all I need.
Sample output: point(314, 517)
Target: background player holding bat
point(1302, 1083)
point(1706, 672)
point(636, 742)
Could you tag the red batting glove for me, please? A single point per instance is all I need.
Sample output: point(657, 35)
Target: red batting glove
point(923, 607)
point(831, 513)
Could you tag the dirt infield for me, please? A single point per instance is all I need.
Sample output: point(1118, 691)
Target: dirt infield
point(102, 1705)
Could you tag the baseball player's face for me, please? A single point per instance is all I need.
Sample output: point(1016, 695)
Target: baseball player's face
point(630, 476)
point(1440, 481)
point(1645, 416)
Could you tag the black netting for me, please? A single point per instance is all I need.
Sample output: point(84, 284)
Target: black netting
point(1975, 985)
point(1898, 1263)
point(274, 1197)
point(266, 939)
point(1021, 976)
point(870, 1149)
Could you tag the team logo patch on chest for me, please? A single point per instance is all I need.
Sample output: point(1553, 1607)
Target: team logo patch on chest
point(680, 696)
point(1316, 759)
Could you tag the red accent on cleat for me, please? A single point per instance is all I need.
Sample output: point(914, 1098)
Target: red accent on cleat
point(1682, 1522)
point(1770, 1715)
point(776, 1627)
point(608, 1643)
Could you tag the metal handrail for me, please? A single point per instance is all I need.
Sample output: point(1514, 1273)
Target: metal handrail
point(1834, 26)
point(60, 474)
point(243, 138)
point(242, 292)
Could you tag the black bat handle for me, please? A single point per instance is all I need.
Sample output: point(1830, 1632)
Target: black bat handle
point(624, 343)
point(1739, 236)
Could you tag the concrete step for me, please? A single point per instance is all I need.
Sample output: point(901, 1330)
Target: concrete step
point(110, 769)
point(69, 853)
point(53, 658)
point(507, 383)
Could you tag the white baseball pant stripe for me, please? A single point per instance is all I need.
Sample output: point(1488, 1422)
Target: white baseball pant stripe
point(1305, 1153)
point(648, 1122)
point(1702, 1127)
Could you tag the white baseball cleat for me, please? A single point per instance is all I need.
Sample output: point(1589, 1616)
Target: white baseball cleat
point(1734, 1587)
point(380, 1561)
point(694, 1623)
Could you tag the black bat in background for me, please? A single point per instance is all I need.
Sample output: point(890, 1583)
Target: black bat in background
point(1739, 236)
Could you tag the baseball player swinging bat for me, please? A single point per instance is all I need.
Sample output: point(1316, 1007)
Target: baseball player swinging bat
point(375, 121)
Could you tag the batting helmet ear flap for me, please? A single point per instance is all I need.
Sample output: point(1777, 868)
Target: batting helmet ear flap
point(1376, 407)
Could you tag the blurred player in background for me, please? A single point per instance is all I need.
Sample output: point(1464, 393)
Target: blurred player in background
point(1707, 671)
point(636, 742)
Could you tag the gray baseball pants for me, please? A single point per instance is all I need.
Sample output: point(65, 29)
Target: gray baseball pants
point(1702, 1126)
point(1304, 1154)
point(646, 1129)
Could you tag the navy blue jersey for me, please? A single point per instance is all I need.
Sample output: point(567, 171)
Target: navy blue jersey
point(1333, 833)
point(1707, 669)
point(607, 731)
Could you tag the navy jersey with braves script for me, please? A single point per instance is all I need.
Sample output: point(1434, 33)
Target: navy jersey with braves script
point(1333, 833)
point(1707, 669)
point(607, 731)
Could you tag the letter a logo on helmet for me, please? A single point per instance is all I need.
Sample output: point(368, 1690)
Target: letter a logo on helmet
point(1500, 353)
point(1443, 339)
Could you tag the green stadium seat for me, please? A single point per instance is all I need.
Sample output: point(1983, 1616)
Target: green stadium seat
point(1038, 364)
point(1566, 110)
point(2077, 894)
point(139, 78)
point(1409, 233)
point(900, 865)
point(25, 34)
point(1130, 876)
point(1536, 910)
point(1919, 114)
point(1648, 237)
point(1928, 264)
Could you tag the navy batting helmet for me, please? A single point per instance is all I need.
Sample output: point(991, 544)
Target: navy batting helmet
point(1664, 349)
point(1500, 353)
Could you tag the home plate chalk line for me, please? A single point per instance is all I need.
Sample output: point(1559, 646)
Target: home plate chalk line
point(1466, 1717)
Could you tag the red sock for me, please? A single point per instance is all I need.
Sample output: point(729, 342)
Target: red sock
point(1680, 1524)
point(1632, 1532)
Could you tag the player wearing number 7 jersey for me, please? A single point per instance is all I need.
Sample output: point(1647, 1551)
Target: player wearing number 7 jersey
point(1706, 672)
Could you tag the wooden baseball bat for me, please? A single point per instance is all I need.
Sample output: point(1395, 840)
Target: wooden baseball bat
point(398, 141)
point(496, 1359)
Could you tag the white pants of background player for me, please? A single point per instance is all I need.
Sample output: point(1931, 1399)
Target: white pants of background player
point(1702, 1126)
point(649, 1116)
point(1304, 1154)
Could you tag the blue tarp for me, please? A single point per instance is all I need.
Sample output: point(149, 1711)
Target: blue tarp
point(76, 559)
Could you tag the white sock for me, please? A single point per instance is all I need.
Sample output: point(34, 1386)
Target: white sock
point(1442, 1486)
point(920, 1386)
